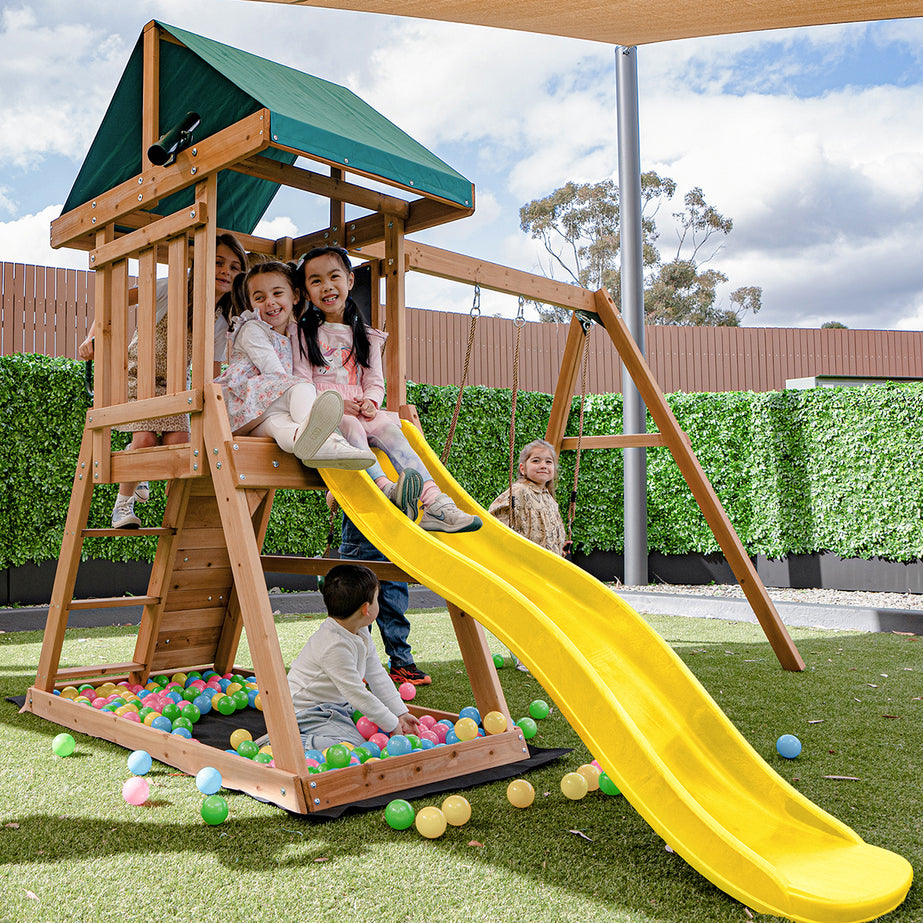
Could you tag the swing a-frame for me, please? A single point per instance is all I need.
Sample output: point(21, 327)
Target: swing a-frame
point(207, 581)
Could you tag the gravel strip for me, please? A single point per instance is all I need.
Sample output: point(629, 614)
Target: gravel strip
point(815, 597)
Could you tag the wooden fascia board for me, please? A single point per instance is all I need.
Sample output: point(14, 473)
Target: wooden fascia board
point(221, 150)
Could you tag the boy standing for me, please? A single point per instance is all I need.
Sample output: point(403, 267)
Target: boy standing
point(328, 677)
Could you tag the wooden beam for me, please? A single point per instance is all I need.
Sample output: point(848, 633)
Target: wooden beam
point(153, 408)
point(150, 88)
point(332, 187)
point(158, 463)
point(152, 233)
point(291, 564)
point(222, 149)
point(479, 664)
point(567, 382)
point(395, 315)
point(647, 440)
point(259, 462)
point(688, 464)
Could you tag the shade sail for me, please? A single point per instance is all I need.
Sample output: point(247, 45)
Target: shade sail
point(634, 22)
point(223, 84)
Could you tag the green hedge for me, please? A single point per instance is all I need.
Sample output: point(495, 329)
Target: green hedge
point(838, 470)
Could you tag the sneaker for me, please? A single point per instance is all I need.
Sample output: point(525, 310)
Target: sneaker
point(442, 515)
point(142, 492)
point(336, 452)
point(323, 418)
point(410, 674)
point(123, 513)
point(405, 492)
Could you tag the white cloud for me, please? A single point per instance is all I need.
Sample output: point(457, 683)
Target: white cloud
point(274, 228)
point(26, 240)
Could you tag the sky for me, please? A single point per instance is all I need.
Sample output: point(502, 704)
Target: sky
point(811, 140)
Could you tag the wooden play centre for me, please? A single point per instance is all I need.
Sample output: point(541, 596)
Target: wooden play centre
point(261, 126)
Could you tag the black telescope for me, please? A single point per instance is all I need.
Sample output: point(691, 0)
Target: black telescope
point(163, 152)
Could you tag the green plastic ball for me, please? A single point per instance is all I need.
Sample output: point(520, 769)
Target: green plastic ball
point(528, 727)
point(63, 745)
point(182, 722)
point(399, 814)
point(262, 758)
point(225, 705)
point(338, 756)
point(214, 810)
point(248, 749)
point(539, 709)
point(499, 661)
point(607, 786)
point(241, 699)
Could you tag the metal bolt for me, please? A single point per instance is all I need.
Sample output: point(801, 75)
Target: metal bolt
point(192, 213)
point(411, 182)
point(282, 790)
point(195, 467)
point(93, 258)
point(242, 477)
point(275, 464)
point(313, 785)
point(140, 181)
point(83, 464)
point(188, 400)
point(345, 160)
point(194, 170)
point(195, 452)
point(94, 217)
point(215, 451)
point(235, 446)
point(317, 800)
point(195, 151)
point(218, 465)
point(275, 137)
point(94, 205)
point(140, 196)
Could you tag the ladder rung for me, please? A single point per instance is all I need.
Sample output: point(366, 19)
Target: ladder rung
point(128, 533)
point(101, 669)
point(113, 602)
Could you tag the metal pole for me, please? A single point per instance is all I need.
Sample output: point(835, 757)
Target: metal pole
point(632, 305)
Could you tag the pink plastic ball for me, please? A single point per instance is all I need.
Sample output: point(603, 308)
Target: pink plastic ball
point(366, 727)
point(136, 790)
point(440, 730)
point(380, 739)
point(407, 691)
point(427, 721)
point(132, 716)
point(430, 736)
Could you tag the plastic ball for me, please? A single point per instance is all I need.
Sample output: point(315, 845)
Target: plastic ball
point(203, 703)
point(427, 721)
point(263, 758)
point(407, 691)
point(788, 746)
point(440, 730)
point(247, 749)
point(214, 810)
point(63, 745)
point(362, 754)
point(225, 705)
point(456, 810)
point(240, 735)
point(591, 774)
point(528, 727)
point(574, 786)
point(136, 790)
point(399, 814)
point(337, 756)
point(191, 711)
point(430, 822)
point(495, 722)
point(606, 785)
point(380, 739)
point(139, 762)
point(398, 745)
point(181, 722)
point(520, 793)
point(258, 702)
point(499, 661)
point(162, 723)
point(539, 709)
point(451, 737)
point(373, 749)
point(241, 699)
point(208, 780)
point(466, 728)
point(366, 727)
point(182, 732)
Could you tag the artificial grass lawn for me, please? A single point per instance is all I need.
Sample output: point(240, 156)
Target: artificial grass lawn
point(72, 850)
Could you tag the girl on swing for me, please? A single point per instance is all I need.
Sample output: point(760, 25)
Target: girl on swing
point(337, 351)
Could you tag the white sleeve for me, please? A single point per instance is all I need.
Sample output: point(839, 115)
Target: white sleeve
point(253, 341)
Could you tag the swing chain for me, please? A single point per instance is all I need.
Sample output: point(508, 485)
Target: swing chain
point(572, 506)
point(475, 314)
point(518, 323)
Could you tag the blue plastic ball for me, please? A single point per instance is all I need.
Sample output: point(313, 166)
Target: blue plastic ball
point(139, 762)
point(451, 737)
point(398, 745)
point(162, 723)
point(315, 755)
point(788, 746)
point(182, 732)
point(203, 703)
point(469, 711)
point(373, 748)
point(208, 780)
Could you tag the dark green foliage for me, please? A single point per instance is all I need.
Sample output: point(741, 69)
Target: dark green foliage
point(837, 470)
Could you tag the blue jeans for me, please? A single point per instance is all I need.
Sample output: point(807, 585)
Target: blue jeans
point(393, 597)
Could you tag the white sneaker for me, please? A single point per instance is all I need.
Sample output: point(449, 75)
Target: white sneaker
point(142, 492)
point(442, 515)
point(336, 452)
point(123, 513)
point(405, 492)
point(323, 418)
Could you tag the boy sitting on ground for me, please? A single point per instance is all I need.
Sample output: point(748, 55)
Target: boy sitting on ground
point(328, 678)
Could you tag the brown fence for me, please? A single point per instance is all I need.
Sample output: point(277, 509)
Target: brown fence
point(48, 311)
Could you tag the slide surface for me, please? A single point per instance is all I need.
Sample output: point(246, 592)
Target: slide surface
point(652, 726)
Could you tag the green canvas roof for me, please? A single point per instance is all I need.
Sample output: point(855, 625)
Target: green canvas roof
point(223, 85)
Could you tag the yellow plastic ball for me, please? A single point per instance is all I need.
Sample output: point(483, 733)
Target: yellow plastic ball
point(239, 735)
point(148, 719)
point(574, 786)
point(258, 703)
point(232, 688)
point(520, 793)
point(466, 728)
point(591, 774)
point(266, 748)
point(494, 722)
point(457, 810)
point(69, 692)
point(179, 678)
point(430, 822)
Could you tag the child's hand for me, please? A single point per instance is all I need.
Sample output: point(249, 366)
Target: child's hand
point(408, 724)
point(87, 348)
point(367, 408)
point(351, 408)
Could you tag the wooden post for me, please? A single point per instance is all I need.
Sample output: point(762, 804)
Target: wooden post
point(150, 93)
point(396, 355)
point(104, 359)
point(337, 214)
point(567, 383)
point(678, 443)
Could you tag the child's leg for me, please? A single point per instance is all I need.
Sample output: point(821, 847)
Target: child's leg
point(123, 511)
